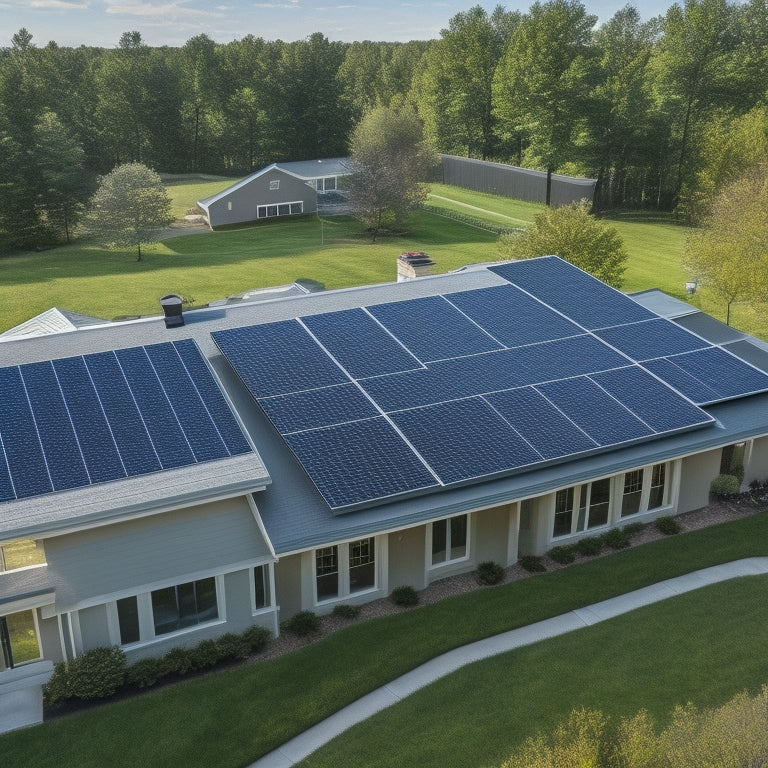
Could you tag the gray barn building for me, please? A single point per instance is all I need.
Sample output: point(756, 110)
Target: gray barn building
point(280, 189)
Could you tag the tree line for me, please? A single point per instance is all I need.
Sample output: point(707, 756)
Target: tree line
point(644, 107)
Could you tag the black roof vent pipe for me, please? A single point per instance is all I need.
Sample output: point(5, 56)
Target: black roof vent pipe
point(171, 305)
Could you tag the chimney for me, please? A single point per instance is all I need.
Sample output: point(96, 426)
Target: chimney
point(413, 264)
point(171, 305)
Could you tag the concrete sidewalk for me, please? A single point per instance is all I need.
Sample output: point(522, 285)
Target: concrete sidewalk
point(306, 743)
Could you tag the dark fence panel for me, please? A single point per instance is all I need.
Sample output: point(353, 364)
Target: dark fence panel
point(510, 181)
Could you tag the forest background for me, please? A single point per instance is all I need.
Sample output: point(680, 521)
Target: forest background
point(662, 113)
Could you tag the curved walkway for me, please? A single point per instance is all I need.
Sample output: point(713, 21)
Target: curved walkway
point(306, 743)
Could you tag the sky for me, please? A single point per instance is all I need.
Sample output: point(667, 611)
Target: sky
point(173, 22)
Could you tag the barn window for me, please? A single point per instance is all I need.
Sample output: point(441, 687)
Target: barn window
point(274, 184)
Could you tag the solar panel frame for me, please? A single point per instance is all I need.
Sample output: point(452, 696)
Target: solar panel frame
point(650, 339)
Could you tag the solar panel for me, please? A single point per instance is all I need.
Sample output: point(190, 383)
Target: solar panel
point(513, 317)
point(359, 460)
point(650, 339)
point(72, 422)
point(360, 344)
point(433, 329)
point(581, 297)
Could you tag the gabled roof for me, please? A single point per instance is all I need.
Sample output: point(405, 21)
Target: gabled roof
point(53, 320)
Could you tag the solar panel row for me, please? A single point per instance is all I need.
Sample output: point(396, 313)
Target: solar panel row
point(76, 421)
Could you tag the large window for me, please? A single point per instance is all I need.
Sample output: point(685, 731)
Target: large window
point(21, 553)
point(449, 540)
point(19, 641)
point(262, 595)
point(591, 500)
point(345, 569)
point(645, 489)
point(280, 209)
point(633, 492)
point(563, 512)
point(184, 605)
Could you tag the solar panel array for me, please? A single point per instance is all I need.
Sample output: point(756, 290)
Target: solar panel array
point(77, 421)
point(415, 395)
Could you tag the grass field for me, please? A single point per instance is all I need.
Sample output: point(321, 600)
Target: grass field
point(704, 647)
point(86, 278)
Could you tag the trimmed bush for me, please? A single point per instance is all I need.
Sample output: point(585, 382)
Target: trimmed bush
point(303, 623)
point(205, 654)
point(632, 528)
point(532, 563)
point(489, 572)
point(616, 538)
point(668, 525)
point(725, 486)
point(405, 595)
point(96, 674)
point(346, 611)
point(232, 646)
point(562, 555)
point(57, 688)
point(589, 547)
point(145, 673)
point(257, 638)
point(178, 661)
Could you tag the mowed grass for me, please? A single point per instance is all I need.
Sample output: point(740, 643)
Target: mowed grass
point(228, 719)
point(211, 265)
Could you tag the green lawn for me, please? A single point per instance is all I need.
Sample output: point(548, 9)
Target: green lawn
point(88, 279)
point(231, 718)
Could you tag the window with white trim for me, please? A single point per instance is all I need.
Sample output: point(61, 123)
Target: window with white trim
point(19, 639)
point(150, 615)
point(21, 553)
point(592, 501)
point(448, 540)
point(262, 592)
point(274, 184)
point(645, 489)
point(295, 208)
point(345, 569)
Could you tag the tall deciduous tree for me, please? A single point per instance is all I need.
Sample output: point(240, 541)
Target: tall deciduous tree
point(729, 253)
point(543, 80)
point(129, 206)
point(390, 166)
point(573, 234)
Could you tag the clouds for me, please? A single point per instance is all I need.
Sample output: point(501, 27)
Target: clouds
point(60, 5)
point(168, 10)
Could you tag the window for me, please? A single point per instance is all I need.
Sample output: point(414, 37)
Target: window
point(274, 184)
point(633, 492)
point(128, 619)
point(229, 205)
point(345, 569)
point(262, 597)
point(19, 639)
point(449, 540)
point(22, 553)
point(563, 512)
point(281, 209)
point(594, 504)
point(658, 486)
point(732, 460)
point(184, 605)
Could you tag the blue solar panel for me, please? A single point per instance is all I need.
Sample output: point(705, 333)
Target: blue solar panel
point(592, 409)
point(197, 369)
point(359, 461)
point(513, 317)
point(20, 439)
point(93, 432)
point(688, 385)
point(655, 403)
point(57, 436)
point(547, 429)
point(654, 338)
point(318, 408)
point(6, 484)
point(581, 297)
point(464, 440)
point(433, 329)
point(360, 344)
point(278, 358)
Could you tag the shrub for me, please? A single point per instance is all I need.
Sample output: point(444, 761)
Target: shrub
point(616, 538)
point(346, 611)
point(97, 673)
point(232, 646)
point(668, 525)
point(562, 555)
point(405, 595)
point(145, 673)
point(57, 688)
point(205, 654)
point(303, 623)
point(178, 661)
point(725, 486)
point(257, 638)
point(489, 572)
point(589, 546)
point(632, 528)
point(532, 563)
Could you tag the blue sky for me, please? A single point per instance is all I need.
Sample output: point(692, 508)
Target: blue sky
point(173, 22)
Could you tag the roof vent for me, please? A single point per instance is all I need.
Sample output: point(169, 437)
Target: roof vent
point(171, 305)
point(413, 264)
